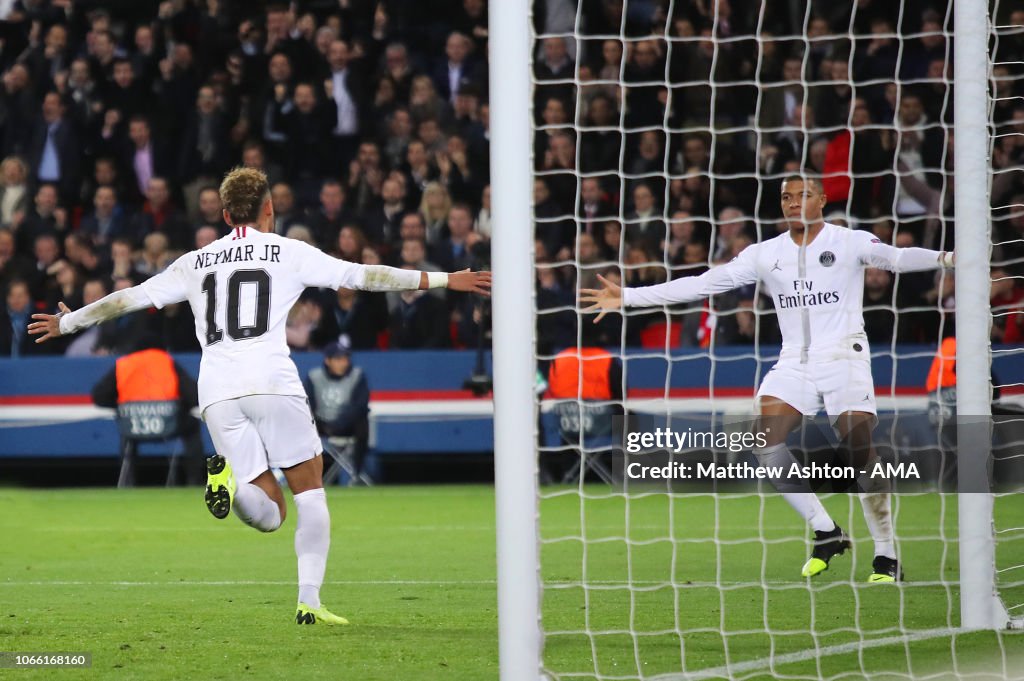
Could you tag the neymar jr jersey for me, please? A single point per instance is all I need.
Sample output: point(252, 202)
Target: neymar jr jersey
point(241, 288)
point(817, 288)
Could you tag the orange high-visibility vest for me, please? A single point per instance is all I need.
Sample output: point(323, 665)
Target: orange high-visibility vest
point(564, 375)
point(146, 376)
point(943, 371)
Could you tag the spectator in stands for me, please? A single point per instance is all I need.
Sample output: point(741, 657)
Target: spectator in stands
point(644, 225)
point(601, 144)
point(365, 177)
point(434, 207)
point(399, 135)
point(303, 318)
point(254, 156)
point(160, 215)
point(205, 236)
point(125, 94)
point(285, 215)
point(919, 150)
point(304, 125)
point(46, 251)
point(418, 320)
point(642, 269)
point(301, 233)
point(145, 156)
point(107, 220)
point(350, 244)
point(122, 260)
point(48, 59)
point(778, 100)
point(453, 252)
point(554, 64)
point(14, 319)
point(47, 216)
point(55, 151)
point(13, 265)
point(457, 68)
point(87, 343)
point(155, 256)
point(361, 315)
point(345, 88)
point(204, 148)
point(398, 70)
point(14, 196)
point(419, 169)
point(339, 397)
point(731, 225)
point(20, 103)
point(327, 220)
point(383, 221)
point(211, 210)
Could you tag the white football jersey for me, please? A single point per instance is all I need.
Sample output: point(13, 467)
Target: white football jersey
point(241, 288)
point(817, 288)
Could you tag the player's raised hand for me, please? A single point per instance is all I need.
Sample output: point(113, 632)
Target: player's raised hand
point(474, 282)
point(602, 300)
point(47, 324)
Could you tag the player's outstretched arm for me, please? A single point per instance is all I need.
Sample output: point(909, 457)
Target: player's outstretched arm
point(740, 271)
point(463, 280)
point(910, 259)
point(65, 322)
point(316, 268)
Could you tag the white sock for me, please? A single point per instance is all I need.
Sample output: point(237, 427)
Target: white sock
point(312, 541)
point(878, 515)
point(255, 508)
point(806, 503)
point(809, 506)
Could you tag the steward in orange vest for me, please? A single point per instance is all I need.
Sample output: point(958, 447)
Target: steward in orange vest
point(150, 375)
point(600, 378)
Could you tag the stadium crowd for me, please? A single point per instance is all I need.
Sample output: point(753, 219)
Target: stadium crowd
point(371, 120)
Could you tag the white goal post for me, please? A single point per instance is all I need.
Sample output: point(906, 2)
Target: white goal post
point(980, 606)
point(515, 468)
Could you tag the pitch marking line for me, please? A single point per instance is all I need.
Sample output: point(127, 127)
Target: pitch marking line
point(351, 582)
point(804, 655)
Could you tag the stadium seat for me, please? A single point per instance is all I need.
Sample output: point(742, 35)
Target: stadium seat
point(342, 450)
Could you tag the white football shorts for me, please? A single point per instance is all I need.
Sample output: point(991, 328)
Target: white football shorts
point(839, 384)
point(257, 432)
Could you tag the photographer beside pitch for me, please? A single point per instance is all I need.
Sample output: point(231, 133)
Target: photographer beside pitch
point(240, 288)
point(814, 273)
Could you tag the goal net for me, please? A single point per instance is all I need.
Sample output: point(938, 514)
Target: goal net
point(662, 132)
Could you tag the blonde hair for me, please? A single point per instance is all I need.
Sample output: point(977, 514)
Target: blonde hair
point(242, 193)
point(425, 209)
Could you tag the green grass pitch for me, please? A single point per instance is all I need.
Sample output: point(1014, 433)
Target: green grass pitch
point(155, 588)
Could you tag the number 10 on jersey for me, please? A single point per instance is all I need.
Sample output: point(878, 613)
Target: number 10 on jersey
point(258, 278)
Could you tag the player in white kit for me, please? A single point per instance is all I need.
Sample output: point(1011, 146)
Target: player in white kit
point(241, 288)
point(814, 273)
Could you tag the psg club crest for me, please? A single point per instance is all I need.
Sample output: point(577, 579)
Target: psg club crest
point(827, 258)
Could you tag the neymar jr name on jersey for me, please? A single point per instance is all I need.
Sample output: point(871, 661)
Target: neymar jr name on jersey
point(271, 253)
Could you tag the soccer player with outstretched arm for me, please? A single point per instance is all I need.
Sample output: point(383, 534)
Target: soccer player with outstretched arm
point(241, 288)
point(814, 273)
